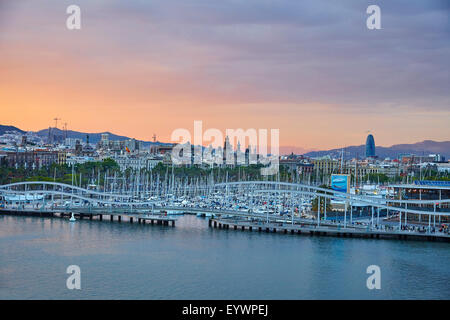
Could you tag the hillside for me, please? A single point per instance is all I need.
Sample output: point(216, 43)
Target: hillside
point(3, 129)
point(420, 148)
point(93, 137)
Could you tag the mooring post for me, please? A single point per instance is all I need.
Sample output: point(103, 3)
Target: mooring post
point(345, 214)
point(434, 215)
point(372, 218)
point(318, 211)
point(351, 213)
point(378, 216)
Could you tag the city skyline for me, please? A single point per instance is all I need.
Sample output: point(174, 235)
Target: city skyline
point(311, 69)
point(284, 150)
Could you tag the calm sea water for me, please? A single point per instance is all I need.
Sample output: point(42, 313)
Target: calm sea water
point(192, 261)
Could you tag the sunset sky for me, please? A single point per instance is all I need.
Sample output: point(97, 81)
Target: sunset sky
point(309, 68)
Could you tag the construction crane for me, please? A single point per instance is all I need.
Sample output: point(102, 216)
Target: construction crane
point(56, 122)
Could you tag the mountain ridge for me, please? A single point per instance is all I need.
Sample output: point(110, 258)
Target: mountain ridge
point(94, 137)
point(4, 128)
point(424, 147)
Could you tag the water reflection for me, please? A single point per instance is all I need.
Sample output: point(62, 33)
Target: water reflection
point(192, 261)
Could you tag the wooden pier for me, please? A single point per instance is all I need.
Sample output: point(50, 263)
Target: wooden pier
point(157, 219)
point(311, 230)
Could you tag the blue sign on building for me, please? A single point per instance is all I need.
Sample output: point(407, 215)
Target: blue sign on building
point(340, 182)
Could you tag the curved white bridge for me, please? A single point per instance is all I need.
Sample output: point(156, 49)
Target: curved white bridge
point(53, 197)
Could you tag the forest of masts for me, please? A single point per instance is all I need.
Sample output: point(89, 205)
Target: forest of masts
point(147, 183)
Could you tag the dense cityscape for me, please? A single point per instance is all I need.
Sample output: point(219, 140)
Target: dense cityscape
point(29, 154)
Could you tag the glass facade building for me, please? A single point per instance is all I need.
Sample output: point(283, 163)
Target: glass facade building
point(370, 146)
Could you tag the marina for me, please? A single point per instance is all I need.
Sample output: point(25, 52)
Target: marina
point(246, 205)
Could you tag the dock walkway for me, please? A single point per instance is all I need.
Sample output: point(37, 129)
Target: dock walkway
point(350, 232)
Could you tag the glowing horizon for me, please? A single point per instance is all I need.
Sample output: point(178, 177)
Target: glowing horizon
point(311, 70)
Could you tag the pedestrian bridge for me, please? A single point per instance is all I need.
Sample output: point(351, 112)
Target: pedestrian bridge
point(58, 198)
point(48, 192)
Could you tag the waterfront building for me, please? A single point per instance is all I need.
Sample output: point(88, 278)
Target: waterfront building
point(62, 157)
point(228, 153)
point(361, 170)
point(416, 159)
point(443, 167)
point(70, 142)
point(32, 159)
point(104, 139)
point(167, 159)
point(326, 165)
point(137, 162)
point(73, 159)
point(423, 190)
point(164, 149)
point(132, 145)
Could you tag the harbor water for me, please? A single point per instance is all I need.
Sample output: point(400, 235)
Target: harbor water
point(193, 261)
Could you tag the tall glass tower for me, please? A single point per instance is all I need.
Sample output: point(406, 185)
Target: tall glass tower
point(370, 146)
